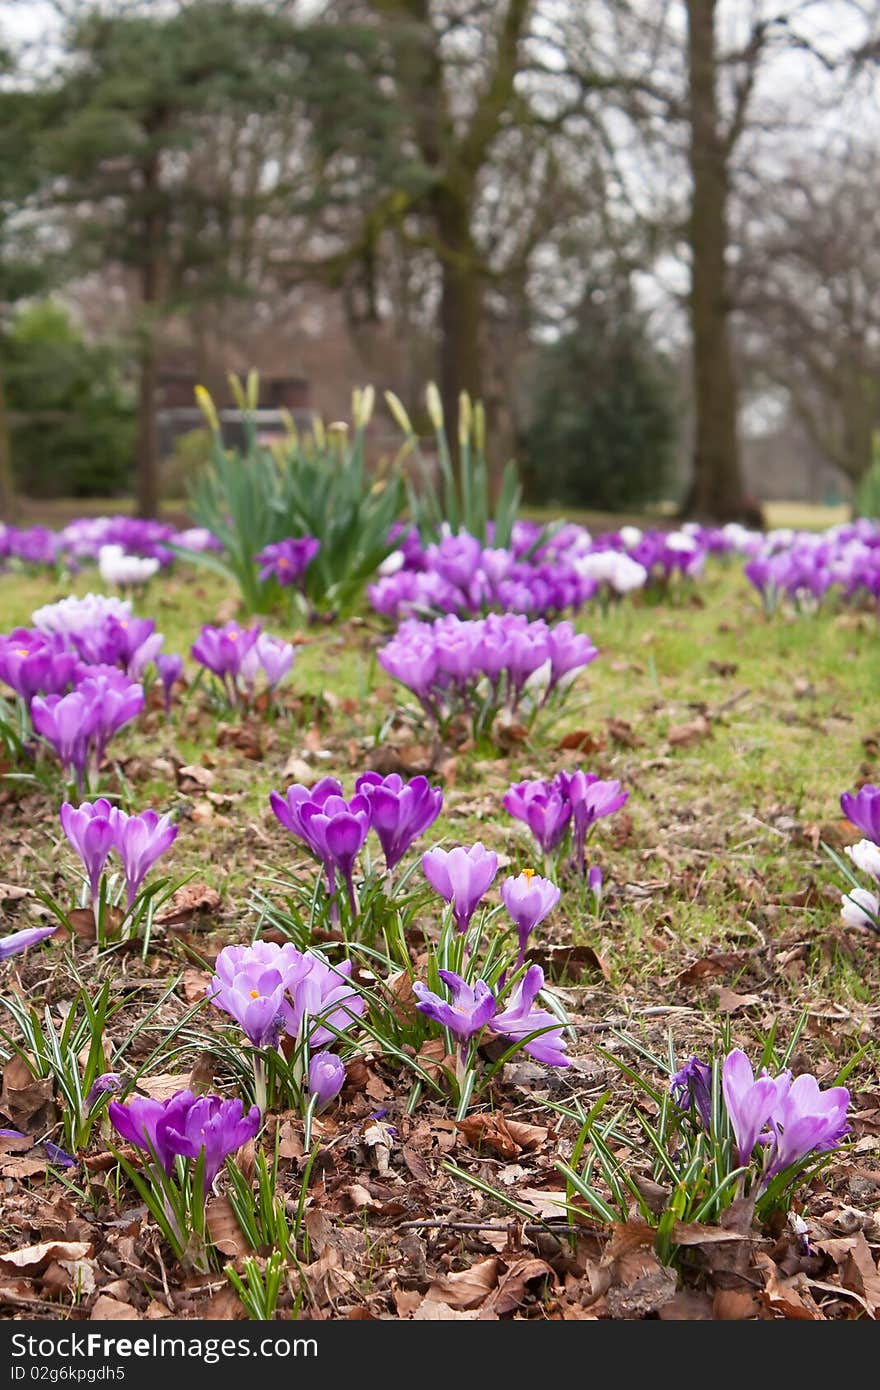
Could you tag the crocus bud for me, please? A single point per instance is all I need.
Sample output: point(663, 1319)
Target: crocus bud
point(326, 1078)
point(594, 882)
point(465, 418)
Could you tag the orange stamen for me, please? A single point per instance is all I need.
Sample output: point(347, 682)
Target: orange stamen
point(528, 874)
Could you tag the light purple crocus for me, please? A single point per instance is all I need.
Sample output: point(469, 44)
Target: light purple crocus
point(91, 833)
point(270, 655)
point(462, 877)
point(399, 811)
point(141, 840)
point(521, 1018)
point(170, 668)
point(33, 663)
point(115, 701)
point(806, 1120)
point(749, 1101)
point(541, 806)
point(590, 799)
point(19, 941)
point(255, 996)
point(863, 809)
point(594, 884)
point(528, 898)
point(326, 1078)
point(470, 1010)
point(108, 1083)
point(287, 561)
point(324, 1003)
point(336, 830)
point(223, 649)
point(691, 1089)
point(68, 723)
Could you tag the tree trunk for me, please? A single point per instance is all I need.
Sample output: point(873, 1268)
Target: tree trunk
point(461, 306)
point(8, 503)
point(147, 424)
point(716, 492)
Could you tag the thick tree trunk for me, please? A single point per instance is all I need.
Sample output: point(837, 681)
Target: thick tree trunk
point(147, 428)
point(147, 424)
point(716, 492)
point(461, 305)
point(8, 503)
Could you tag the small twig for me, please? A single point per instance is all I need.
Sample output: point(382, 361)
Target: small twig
point(530, 1228)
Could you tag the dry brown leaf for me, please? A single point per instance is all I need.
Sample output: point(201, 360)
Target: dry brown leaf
point(107, 1309)
point(490, 1130)
point(468, 1288)
point(514, 1286)
point(719, 963)
point(623, 733)
point(32, 1258)
point(581, 741)
point(790, 1297)
point(729, 1002)
point(186, 902)
point(694, 731)
point(223, 1227)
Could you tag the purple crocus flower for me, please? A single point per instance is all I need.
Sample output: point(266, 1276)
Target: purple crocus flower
point(91, 833)
point(863, 809)
point(691, 1089)
point(324, 1003)
point(528, 898)
point(219, 1127)
point(806, 1120)
point(32, 663)
point(287, 561)
point(521, 1018)
point(590, 800)
point(470, 1010)
point(143, 1122)
point(170, 668)
point(140, 841)
point(326, 1078)
point(115, 700)
point(68, 723)
point(223, 649)
point(399, 811)
point(336, 829)
point(19, 941)
point(461, 876)
point(594, 883)
point(109, 1082)
point(270, 655)
point(750, 1102)
point(570, 651)
point(543, 809)
point(184, 1126)
point(255, 996)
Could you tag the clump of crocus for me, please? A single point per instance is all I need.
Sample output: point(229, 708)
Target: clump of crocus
point(93, 829)
point(788, 1120)
point(481, 666)
point(334, 829)
point(528, 898)
point(462, 877)
point(572, 802)
point(272, 990)
point(473, 1010)
point(79, 726)
point(184, 1127)
point(238, 656)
